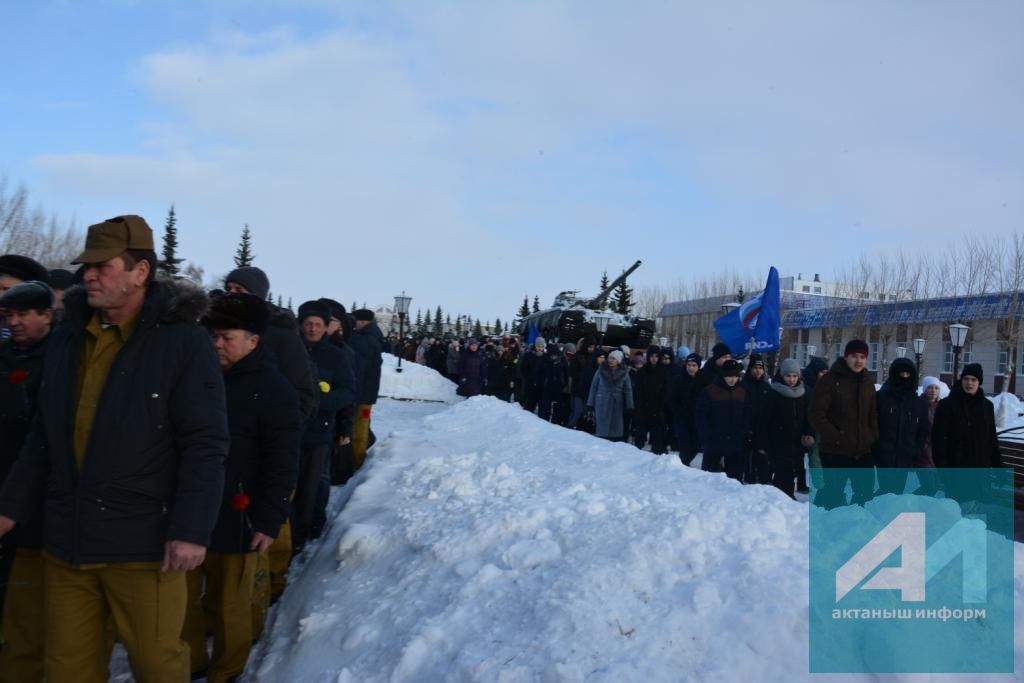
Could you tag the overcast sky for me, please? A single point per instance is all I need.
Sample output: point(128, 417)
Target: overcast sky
point(473, 152)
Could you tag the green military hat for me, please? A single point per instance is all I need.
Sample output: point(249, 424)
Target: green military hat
point(115, 236)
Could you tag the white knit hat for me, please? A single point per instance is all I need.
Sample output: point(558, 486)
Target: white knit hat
point(616, 354)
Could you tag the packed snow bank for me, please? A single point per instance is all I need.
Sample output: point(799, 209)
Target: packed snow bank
point(482, 544)
point(415, 382)
point(1008, 409)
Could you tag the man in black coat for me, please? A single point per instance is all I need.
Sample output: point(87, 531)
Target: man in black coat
point(29, 310)
point(368, 343)
point(337, 383)
point(281, 338)
point(903, 426)
point(649, 416)
point(260, 473)
point(128, 445)
point(683, 402)
point(755, 383)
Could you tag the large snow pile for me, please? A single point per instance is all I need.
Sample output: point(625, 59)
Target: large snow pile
point(482, 544)
point(1008, 410)
point(415, 381)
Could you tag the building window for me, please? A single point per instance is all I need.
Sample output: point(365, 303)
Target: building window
point(873, 356)
point(817, 290)
point(1003, 359)
point(965, 356)
point(798, 352)
point(807, 288)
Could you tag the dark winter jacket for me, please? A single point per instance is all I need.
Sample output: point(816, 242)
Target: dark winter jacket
point(262, 464)
point(470, 372)
point(501, 372)
point(581, 374)
point(551, 377)
point(903, 423)
point(368, 344)
point(21, 372)
point(334, 372)
point(650, 391)
point(844, 413)
point(154, 465)
point(282, 340)
point(964, 434)
point(437, 358)
point(723, 418)
point(683, 400)
point(786, 422)
point(757, 397)
point(527, 370)
point(610, 397)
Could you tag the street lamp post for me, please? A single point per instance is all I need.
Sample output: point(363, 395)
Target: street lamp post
point(901, 351)
point(402, 309)
point(957, 337)
point(601, 322)
point(919, 345)
point(663, 341)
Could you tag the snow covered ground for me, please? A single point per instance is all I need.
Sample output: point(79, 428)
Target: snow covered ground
point(482, 544)
point(416, 382)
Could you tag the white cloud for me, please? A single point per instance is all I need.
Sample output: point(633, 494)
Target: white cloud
point(501, 147)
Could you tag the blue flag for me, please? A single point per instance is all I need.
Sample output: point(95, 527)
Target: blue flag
point(531, 333)
point(755, 322)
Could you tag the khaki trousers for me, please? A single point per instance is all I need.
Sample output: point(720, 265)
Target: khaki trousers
point(361, 434)
point(148, 610)
point(23, 625)
point(228, 597)
point(271, 577)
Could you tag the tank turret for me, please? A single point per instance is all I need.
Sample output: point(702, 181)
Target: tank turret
point(598, 302)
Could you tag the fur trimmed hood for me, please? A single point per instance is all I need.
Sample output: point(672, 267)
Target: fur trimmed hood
point(167, 301)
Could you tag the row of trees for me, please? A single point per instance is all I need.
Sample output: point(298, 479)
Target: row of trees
point(438, 323)
point(29, 230)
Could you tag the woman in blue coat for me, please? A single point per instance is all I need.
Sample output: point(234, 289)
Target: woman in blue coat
point(611, 397)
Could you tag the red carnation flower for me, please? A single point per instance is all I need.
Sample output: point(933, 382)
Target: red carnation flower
point(17, 376)
point(240, 501)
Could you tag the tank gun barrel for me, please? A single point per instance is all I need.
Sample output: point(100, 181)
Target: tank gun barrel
point(598, 301)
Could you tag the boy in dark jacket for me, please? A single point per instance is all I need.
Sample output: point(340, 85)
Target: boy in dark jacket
point(844, 414)
point(755, 383)
point(551, 378)
point(683, 399)
point(903, 426)
point(649, 416)
point(723, 421)
point(785, 432)
point(260, 472)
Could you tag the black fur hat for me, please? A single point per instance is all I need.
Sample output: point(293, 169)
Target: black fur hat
point(238, 312)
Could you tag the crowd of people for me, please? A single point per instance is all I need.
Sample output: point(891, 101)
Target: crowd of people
point(164, 453)
point(755, 429)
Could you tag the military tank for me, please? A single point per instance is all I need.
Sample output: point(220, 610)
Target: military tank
point(572, 317)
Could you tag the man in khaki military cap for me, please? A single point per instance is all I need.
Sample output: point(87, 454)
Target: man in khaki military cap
point(131, 491)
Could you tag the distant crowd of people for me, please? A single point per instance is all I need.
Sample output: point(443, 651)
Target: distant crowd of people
point(755, 429)
point(164, 453)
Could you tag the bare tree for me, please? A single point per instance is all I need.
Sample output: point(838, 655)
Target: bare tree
point(31, 232)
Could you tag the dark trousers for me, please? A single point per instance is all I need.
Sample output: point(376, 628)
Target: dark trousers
point(783, 471)
point(687, 438)
point(311, 466)
point(652, 427)
point(840, 469)
point(758, 469)
point(551, 407)
point(735, 462)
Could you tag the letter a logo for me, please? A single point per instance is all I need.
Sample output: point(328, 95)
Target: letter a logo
point(905, 533)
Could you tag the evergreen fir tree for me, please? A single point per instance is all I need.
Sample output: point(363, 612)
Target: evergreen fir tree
point(419, 321)
point(280, 301)
point(477, 330)
point(524, 310)
point(244, 255)
point(536, 303)
point(290, 305)
point(622, 298)
point(270, 297)
point(458, 325)
point(497, 326)
point(428, 321)
point(170, 264)
point(438, 329)
point(354, 307)
point(604, 281)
